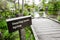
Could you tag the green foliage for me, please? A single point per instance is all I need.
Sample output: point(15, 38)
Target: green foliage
point(26, 13)
point(58, 18)
point(53, 8)
point(52, 13)
point(36, 8)
point(29, 34)
point(41, 13)
point(3, 24)
point(16, 11)
point(10, 36)
point(6, 13)
point(50, 7)
point(58, 5)
point(15, 35)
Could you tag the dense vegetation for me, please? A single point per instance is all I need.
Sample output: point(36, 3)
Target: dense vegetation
point(10, 9)
point(53, 8)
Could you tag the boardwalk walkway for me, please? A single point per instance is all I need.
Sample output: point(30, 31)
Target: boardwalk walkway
point(46, 29)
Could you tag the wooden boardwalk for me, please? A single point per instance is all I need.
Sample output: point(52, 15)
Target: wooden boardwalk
point(46, 29)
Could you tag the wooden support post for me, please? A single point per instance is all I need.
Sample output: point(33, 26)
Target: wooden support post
point(22, 34)
point(1, 36)
point(19, 23)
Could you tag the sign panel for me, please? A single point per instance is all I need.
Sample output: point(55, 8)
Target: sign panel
point(18, 23)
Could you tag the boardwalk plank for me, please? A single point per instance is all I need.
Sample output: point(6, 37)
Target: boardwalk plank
point(46, 29)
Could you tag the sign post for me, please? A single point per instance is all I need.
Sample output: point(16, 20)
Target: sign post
point(18, 23)
point(22, 35)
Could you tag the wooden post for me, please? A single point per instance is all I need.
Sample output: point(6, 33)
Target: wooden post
point(19, 23)
point(1, 37)
point(22, 34)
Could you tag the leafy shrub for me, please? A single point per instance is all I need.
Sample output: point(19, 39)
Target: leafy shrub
point(3, 24)
point(58, 18)
point(26, 13)
point(10, 36)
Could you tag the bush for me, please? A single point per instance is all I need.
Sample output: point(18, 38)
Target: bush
point(26, 13)
point(3, 24)
point(58, 18)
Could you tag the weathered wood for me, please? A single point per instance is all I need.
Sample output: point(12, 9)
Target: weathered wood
point(19, 23)
point(22, 34)
point(46, 29)
point(1, 36)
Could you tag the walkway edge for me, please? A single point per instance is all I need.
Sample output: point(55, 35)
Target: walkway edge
point(36, 37)
point(54, 20)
